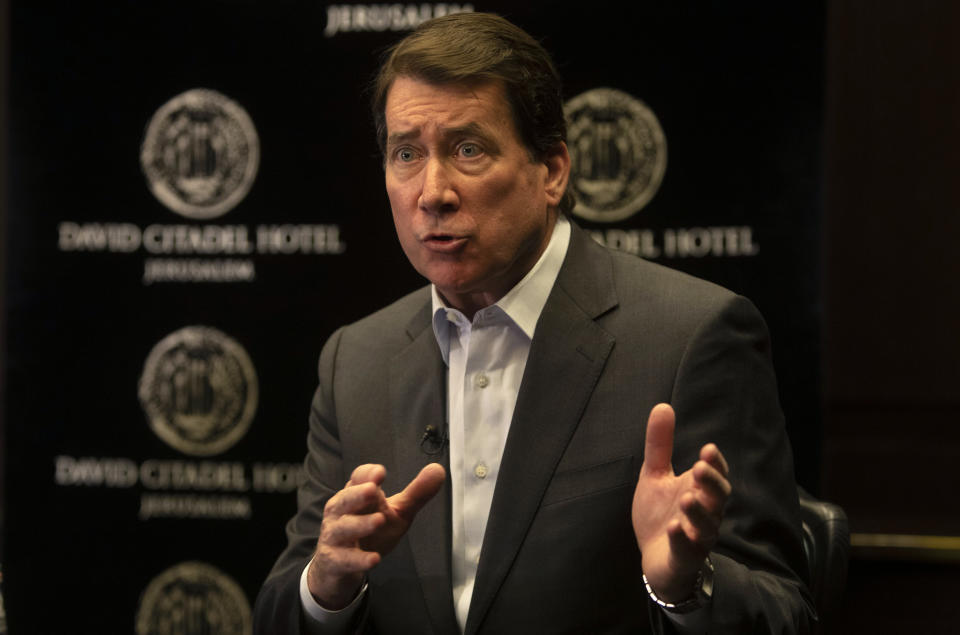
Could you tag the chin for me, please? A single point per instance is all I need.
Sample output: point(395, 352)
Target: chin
point(443, 278)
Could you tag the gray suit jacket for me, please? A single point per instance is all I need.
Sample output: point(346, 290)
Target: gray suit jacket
point(617, 336)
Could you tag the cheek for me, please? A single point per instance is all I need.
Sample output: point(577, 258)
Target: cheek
point(398, 190)
point(497, 192)
point(514, 210)
point(515, 189)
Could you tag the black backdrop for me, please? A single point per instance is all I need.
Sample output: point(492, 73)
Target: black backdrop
point(89, 523)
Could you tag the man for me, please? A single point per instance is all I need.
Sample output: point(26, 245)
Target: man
point(527, 368)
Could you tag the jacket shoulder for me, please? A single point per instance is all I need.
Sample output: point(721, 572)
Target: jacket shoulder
point(633, 273)
point(392, 322)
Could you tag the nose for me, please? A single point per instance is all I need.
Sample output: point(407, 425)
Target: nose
point(438, 194)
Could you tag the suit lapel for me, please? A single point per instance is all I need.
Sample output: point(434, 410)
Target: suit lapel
point(417, 378)
point(567, 355)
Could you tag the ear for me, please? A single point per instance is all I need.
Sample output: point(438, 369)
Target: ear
point(558, 173)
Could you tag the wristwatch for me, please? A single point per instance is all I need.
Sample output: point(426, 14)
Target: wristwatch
point(702, 591)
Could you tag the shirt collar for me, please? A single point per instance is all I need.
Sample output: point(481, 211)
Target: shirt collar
point(524, 302)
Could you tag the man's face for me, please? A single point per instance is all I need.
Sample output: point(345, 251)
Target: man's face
point(472, 209)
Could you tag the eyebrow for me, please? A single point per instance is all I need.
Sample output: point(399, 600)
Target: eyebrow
point(399, 137)
point(470, 129)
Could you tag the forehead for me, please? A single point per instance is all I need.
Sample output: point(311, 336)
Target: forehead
point(413, 105)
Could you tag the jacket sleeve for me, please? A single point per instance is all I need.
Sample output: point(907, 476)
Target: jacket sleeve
point(725, 392)
point(278, 609)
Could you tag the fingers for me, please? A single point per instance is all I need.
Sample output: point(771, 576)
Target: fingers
point(701, 508)
point(349, 529)
point(360, 525)
point(353, 499)
point(700, 520)
point(361, 494)
point(367, 473)
point(421, 489)
point(360, 509)
point(710, 479)
point(338, 546)
point(339, 562)
point(712, 455)
point(711, 482)
point(694, 531)
point(658, 447)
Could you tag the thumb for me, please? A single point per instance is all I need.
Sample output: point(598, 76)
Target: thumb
point(421, 489)
point(658, 447)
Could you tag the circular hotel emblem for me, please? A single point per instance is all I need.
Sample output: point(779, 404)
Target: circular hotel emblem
point(199, 390)
point(193, 598)
point(619, 154)
point(200, 154)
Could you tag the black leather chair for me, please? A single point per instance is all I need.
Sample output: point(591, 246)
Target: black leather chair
point(826, 539)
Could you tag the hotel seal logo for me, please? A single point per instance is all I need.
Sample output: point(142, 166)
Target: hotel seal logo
point(193, 598)
point(619, 154)
point(200, 154)
point(199, 390)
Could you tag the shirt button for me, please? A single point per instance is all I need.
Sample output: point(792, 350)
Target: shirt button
point(481, 380)
point(480, 471)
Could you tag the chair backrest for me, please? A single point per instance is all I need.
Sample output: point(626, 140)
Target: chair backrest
point(826, 540)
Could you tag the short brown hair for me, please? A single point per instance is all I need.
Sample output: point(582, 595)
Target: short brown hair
point(465, 48)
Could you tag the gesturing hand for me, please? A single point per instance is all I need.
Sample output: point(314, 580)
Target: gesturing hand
point(676, 518)
point(360, 526)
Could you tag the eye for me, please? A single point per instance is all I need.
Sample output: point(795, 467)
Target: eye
point(469, 150)
point(405, 155)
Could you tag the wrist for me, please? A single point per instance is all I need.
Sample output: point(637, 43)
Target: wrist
point(331, 592)
point(699, 593)
point(317, 619)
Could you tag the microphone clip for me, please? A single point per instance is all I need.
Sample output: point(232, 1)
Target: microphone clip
point(433, 441)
